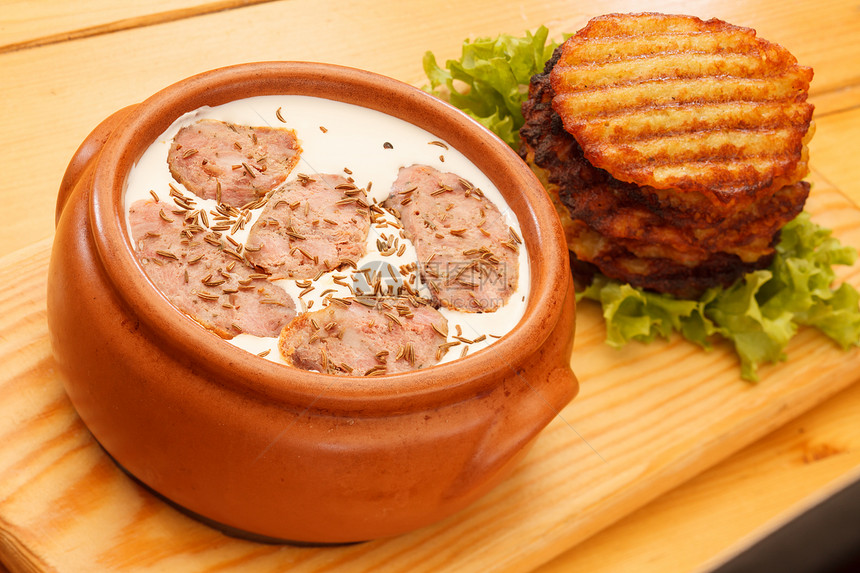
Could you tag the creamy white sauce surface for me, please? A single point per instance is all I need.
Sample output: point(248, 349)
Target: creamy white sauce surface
point(373, 146)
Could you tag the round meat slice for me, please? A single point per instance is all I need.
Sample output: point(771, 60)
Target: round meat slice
point(365, 337)
point(233, 164)
point(312, 224)
point(468, 255)
point(205, 278)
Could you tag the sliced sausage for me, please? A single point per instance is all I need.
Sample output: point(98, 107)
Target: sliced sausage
point(365, 337)
point(233, 164)
point(203, 276)
point(312, 224)
point(467, 252)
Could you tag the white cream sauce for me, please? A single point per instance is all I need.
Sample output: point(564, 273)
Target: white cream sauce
point(335, 136)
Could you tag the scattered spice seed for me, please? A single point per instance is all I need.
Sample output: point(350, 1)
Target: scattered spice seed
point(233, 254)
point(323, 129)
point(393, 318)
point(439, 144)
point(154, 196)
point(205, 295)
point(164, 216)
point(387, 145)
point(264, 353)
point(167, 254)
point(305, 291)
point(279, 116)
point(294, 235)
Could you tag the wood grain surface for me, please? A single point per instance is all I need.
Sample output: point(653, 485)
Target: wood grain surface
point(648, 419)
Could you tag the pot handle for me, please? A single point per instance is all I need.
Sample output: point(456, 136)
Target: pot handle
point(539, 390)
point(84, 156)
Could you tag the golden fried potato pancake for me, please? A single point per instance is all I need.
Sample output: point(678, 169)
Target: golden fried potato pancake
point(674, 102)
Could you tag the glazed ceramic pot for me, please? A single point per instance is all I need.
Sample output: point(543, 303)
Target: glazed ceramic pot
point(267, 449)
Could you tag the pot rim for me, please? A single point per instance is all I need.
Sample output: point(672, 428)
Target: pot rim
point(235, 367)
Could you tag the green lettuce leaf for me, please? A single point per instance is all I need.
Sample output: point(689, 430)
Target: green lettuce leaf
point(759, 314)
point(490, 80)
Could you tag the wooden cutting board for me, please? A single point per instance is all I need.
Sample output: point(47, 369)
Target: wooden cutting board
point(647, 418)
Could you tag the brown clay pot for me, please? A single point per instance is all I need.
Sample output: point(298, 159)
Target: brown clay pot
point(271, 450)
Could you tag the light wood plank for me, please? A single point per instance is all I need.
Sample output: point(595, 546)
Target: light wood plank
point(54, 95)
point(692, 526)
point(27, 24)
point(834, 148)
point(647, 419)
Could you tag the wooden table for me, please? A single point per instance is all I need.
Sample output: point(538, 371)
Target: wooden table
point(66, 66)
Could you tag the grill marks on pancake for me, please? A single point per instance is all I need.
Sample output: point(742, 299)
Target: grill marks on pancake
point(675, 102)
